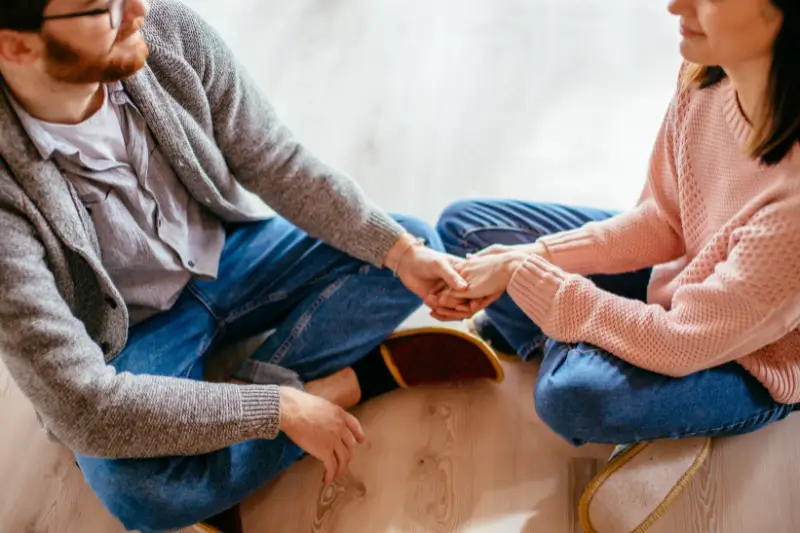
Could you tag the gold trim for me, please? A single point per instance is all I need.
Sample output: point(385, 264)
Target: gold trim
point(389, 362)
point(487, 350)
point(205, 528)
point(620, 461)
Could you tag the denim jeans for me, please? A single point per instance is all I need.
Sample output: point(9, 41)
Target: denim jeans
point(584, 393)
point(327, 311)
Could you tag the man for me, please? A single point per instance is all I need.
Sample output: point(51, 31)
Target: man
point(136, 169)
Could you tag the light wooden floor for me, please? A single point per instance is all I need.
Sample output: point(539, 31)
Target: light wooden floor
point(425, 103)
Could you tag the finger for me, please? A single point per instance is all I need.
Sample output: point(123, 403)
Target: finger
point(349, 440)
point(451, 277)
point(355, 427)
point(483, 303)
point(456, 262)
point(439, 287)
point(331, 465)
point(450, 314)
point(343, 455)
point(465, 295)
point(492, 250)
point(442, 318)
point(431, 301)
point(452, 301)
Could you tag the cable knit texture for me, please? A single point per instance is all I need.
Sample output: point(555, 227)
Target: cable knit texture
point(723, 234)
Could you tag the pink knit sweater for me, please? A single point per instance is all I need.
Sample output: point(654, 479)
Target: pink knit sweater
point(724, 232)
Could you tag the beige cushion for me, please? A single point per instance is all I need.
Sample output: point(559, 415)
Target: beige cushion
point(637, 486)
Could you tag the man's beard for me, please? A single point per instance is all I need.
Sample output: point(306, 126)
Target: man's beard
point(65, 64)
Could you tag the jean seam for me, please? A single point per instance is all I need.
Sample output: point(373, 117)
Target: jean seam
point(467, 233)
point(203, 351)
point(727, 427)
point(301, 324)
point(529, 347)
point(203, 299)
point(274, 297)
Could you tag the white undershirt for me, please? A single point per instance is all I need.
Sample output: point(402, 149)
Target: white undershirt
point(99, 137)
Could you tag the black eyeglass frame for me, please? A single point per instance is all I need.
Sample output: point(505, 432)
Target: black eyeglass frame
point(115, 11)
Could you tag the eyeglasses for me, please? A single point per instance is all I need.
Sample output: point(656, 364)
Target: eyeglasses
point(115, 11)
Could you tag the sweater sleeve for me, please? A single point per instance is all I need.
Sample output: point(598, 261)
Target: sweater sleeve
point(647, 235)
point(267, 158)
point(86, 403)
point(751, 300)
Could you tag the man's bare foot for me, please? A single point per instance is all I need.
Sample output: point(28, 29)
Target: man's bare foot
point(340, 388)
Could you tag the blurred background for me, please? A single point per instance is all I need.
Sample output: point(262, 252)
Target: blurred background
point(425, 102)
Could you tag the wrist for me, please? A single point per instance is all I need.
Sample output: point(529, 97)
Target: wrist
point(403, 251)
point(288, 406)
point(538, 248)
point(397, 249)
point(512, 264)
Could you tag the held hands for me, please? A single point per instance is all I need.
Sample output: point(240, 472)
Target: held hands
point(424, 270)
point(487, 273)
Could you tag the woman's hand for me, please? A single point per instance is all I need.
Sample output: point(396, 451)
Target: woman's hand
point(488, 274)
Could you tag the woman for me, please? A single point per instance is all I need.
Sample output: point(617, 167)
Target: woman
point(687, 321)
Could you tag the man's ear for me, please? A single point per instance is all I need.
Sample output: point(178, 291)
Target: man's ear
point(19, 48)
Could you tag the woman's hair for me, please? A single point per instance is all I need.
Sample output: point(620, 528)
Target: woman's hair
point(22, 15)
point(777, 130)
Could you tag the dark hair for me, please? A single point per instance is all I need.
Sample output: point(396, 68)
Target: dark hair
point(777, 130)
point(22, 15)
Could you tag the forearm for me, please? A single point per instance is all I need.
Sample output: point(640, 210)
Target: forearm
point(694, 335)
point(633, 240)
point(98, 412)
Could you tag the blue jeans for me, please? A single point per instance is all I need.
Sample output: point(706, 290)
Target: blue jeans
point(327, 310)
point(584, 393)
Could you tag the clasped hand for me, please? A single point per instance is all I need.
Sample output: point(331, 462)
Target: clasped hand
point(487, 274)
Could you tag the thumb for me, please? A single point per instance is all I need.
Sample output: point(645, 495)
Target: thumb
point(451, 277)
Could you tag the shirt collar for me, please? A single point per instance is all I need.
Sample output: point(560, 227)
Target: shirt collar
point(41, 138)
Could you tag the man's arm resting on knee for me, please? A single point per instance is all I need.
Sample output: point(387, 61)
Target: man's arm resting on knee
point(266, 158)
point(85, 402)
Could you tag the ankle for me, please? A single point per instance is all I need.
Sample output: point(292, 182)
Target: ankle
point(340, 388)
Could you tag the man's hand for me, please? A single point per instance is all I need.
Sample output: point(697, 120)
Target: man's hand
point(488, 273)
point(321, 428)
point(424, 270)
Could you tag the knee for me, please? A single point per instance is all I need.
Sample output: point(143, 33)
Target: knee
point(576, 403)
point(419, 228)
point(553, 405)
point(454, 223)
point(137, 498)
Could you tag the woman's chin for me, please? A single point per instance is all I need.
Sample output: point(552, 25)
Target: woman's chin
point(694, 53)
